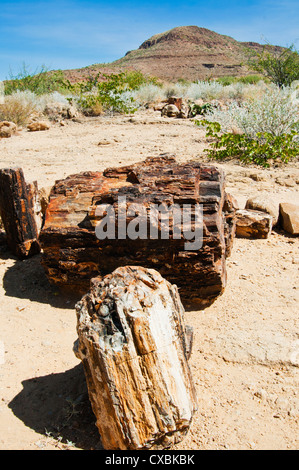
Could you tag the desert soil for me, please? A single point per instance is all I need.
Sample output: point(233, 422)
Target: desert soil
point(246, 349)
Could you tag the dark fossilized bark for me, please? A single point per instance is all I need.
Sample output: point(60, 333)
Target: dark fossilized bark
point(17, 213)
point(73, 254)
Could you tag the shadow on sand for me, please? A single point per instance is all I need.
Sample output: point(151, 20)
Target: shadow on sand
point(58, 406)
point(26, 279)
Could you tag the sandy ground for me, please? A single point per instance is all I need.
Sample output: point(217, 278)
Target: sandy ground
point(246, 350)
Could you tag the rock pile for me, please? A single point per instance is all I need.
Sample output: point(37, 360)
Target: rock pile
point(176, 107)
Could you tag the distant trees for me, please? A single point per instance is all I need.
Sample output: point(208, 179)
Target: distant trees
point(281, 66)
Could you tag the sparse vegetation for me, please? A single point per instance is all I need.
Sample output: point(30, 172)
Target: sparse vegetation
point(280, 66)
point(262, 149)
point(257, 131)
point(39, 81)
point(274, 110)
point(247, 118)
point(103, 92)
point(16, 109)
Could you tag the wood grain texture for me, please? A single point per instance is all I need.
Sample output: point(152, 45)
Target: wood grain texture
point(72, 254)
point(132, 342)
point(17, 213)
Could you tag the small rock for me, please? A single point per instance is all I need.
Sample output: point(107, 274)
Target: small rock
point(261, 394)
point(104, 142)
point(185, 111)
point(71, 112)
point(159, 106)
point(258, 177)
point(253, 224)
point(264, 203)
point(287, 181)
point(7, 129)
point(38, 126)
point(170, 110)
point(289, 214)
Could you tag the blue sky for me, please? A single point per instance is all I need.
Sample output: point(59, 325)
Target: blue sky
point(75, 33)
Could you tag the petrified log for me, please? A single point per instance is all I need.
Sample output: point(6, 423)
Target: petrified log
point(17, 213)
point(253, 224)
point(131, 340)
point(73, 252)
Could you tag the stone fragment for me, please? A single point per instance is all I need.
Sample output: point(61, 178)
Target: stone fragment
point(176, 101)
point(289, 214)
point(175, 107)
point(264, 203)
point(56, 111)
point(184, 111)
point(132, 343)
point(170, 110)
point(253, 224)
point(7, 129)
point(38, 126)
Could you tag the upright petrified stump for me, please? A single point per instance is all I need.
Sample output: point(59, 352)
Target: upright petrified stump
point(17, 213)
point(132, 342)
point(73, 252)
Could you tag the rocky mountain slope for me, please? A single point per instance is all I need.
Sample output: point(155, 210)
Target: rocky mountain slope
point(185, 52)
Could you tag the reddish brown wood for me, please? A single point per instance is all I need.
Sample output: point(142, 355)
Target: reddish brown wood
point(17, 213)
point(73, 254)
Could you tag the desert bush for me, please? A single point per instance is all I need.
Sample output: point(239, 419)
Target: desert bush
point(19, 106)
point(105, 90)
point(275, 112)
point(147, 93)
point(17, 109)
point(259, 131)
point(42, 101)
point(247, 80)
point(281, 66)
point(262, 149)
point(213, 90)
point(226, 80)
point(176, 89)
point(135, 79)
point(40, 81)
point(250, 79)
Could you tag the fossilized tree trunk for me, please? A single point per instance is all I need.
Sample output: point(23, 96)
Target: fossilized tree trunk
point(73, 254)
point(132, 342)
point(17, 213)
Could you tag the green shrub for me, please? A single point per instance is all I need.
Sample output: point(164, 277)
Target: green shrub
point(261, 150)
point(281, 66)
point(250, 79)
point(197, 109)
point(135, 79)
point(226, 80)
point(102, 91)
point(40, 82)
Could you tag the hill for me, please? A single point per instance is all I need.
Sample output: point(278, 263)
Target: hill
point(185, 52)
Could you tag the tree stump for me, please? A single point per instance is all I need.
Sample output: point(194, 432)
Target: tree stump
point(73, 253)
point(132, 343)
point(17, 213)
